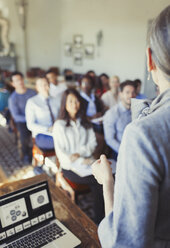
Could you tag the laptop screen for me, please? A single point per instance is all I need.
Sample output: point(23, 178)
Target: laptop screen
point(24, 210)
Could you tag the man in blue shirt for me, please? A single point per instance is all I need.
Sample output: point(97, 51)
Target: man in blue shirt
point(138, 84)
point(118, 117)
point(17, 102)
point(41, 113)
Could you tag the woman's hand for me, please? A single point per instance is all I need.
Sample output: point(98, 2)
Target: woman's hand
point(103, 173)
point(74, 157)
point(102, 170)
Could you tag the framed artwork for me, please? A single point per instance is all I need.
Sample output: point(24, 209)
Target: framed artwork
point(78, 41)
point(68, 49)
point(89, 51)
point(78, 58)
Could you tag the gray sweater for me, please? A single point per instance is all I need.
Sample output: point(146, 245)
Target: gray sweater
point(141, 213)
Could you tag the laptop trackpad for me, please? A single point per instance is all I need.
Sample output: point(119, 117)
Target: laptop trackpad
point(51, 245)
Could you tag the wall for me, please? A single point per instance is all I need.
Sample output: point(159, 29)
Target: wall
point(124, 25)
point(43, 32)
point(8, 10)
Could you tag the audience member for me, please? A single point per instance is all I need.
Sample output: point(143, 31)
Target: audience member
point(69, 75)
point(17, 103)
point(94, 78)
point(103, 84)
point(118, 117)
point(91, 74)
point(111, 97)
point(138, 212)
point(138, 84)
point(56, 89)
point(75, 143)
point(93, 105)
point(41, 112)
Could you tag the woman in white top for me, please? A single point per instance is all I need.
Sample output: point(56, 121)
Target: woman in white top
point(75, 143)
point(111, 97)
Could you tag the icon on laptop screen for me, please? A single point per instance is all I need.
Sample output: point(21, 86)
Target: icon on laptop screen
point(39, 199)
point(13, 212)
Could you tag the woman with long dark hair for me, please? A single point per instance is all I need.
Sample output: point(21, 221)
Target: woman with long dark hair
point(75, 143)
point(140, 216)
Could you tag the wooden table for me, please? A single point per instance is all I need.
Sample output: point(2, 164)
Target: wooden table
point(65, 210)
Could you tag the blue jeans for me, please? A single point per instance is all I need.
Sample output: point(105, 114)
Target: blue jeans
point(44, 142)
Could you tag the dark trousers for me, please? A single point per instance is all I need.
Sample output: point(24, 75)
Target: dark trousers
point(44, 142)
point(25, 137)
point(97, 191)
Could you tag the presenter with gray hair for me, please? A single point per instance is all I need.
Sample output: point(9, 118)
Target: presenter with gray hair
point(137, 206)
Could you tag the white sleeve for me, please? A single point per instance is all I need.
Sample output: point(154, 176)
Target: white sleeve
point(58, 135)
point(88, 149)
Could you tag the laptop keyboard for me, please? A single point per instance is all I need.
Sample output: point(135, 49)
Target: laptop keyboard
point(39, 238)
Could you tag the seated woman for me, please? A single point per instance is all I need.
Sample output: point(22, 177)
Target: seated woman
point(103, 86)
point(111, 97)
point(75, 142)
point(93, 105)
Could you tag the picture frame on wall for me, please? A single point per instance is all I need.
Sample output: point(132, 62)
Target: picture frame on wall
point(78, 58)
point(78, 41)
point(89, 51)
point(68, 49)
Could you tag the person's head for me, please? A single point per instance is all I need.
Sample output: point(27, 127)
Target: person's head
point(91, 73)
point(72, 107)
point(68, 74)
point(127, 91)
point(104, 78)
point(87, 84)
point(51, 76)
point(42, 86)
point(137, 83)
point(17, 80)
point(158, 52)
point(114, 83)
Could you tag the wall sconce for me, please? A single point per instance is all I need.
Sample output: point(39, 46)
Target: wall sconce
point(21, 11)
point(99, 38)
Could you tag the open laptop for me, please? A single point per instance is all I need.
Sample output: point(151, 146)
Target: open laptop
point(27, 219)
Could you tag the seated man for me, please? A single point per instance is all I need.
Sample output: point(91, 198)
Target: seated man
point(17, 102)
point(138, 84)
point(118, 117)
point(56, 89)
point(41, 113)
point(94, 107)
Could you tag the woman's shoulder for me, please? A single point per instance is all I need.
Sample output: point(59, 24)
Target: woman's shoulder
point(153, 125)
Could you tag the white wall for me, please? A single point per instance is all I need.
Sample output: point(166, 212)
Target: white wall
point(124, 25)
point(44, 33)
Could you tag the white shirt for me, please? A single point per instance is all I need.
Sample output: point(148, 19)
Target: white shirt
point(109, 99)
point(91, 109)
point(73, 139)
point(57, 90)
point(38, 116)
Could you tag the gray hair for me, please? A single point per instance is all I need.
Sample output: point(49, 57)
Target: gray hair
point(159, 41)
